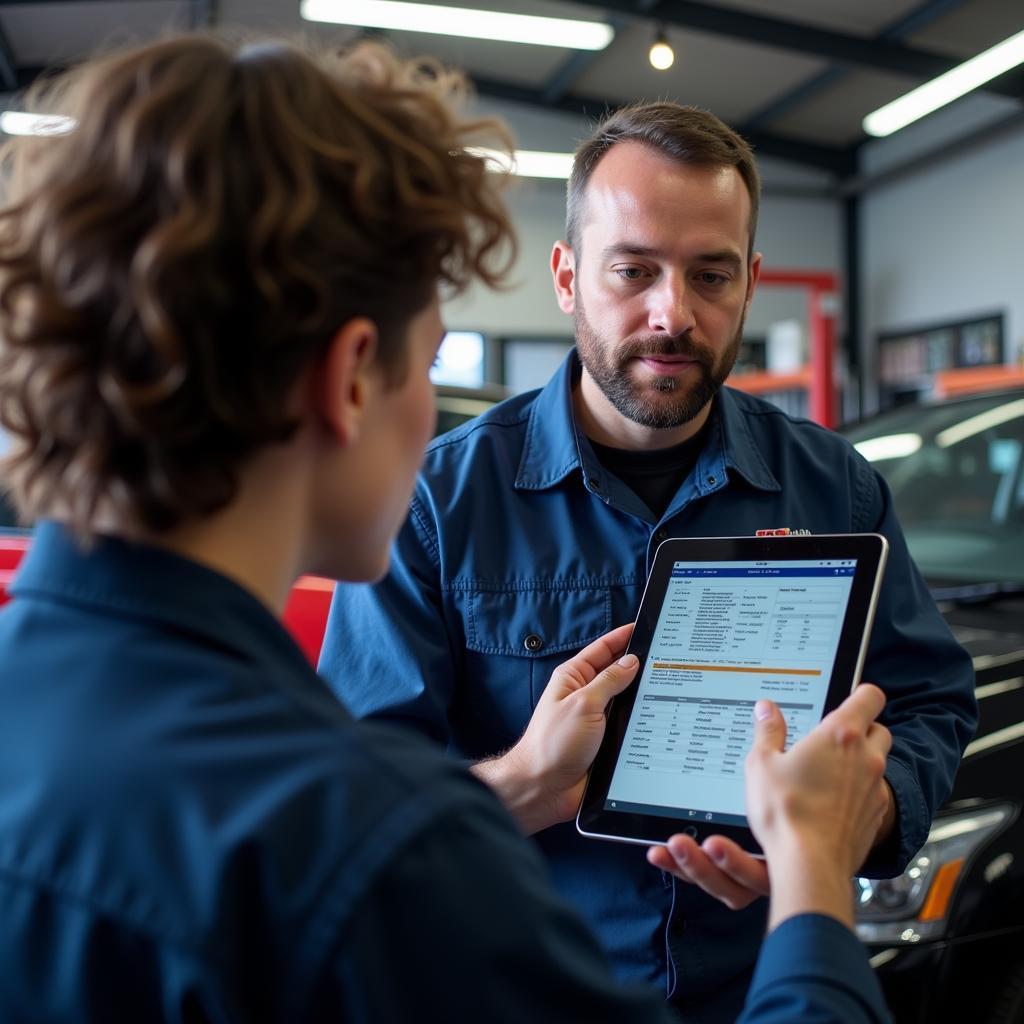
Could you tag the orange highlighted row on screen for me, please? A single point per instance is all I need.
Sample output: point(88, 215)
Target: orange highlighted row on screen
point(741, 668)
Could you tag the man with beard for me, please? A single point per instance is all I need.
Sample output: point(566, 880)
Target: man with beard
point(532, 529)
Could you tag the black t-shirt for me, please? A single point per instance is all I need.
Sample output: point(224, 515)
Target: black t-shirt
point(654, 476)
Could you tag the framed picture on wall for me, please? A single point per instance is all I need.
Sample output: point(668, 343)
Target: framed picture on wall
point(909, 359)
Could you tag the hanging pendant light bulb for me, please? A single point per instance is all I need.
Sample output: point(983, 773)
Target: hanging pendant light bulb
point(661, 54)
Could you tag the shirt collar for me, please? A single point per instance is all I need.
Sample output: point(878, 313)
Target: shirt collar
point(552, 449)
point(137, 581)
point(739, 446)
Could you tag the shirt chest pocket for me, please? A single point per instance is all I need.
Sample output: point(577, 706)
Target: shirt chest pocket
point(516, 635)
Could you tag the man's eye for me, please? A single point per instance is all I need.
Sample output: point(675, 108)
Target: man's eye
point(630, 273)
point(710, 277)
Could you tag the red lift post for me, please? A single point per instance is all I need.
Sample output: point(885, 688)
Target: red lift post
point(821, 286)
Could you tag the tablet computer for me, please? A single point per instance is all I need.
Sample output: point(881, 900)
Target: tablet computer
point(724, 622)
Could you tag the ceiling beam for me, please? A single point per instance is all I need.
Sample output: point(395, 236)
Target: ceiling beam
point(838, 47)
point(561, 81)
point(835, 160)
point(920, 17)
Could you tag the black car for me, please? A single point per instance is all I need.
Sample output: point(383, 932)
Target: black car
point(947, 936)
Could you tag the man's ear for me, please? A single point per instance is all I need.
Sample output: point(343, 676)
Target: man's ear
point(752, 279)
point(346, 379)
point(563, 273)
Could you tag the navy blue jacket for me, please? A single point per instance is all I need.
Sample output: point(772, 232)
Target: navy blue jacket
point(193, 829)
point(520, 548)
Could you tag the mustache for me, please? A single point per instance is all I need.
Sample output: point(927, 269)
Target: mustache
point(682, 345)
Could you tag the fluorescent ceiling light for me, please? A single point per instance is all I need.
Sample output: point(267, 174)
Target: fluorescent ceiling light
point(528, 163)
point(461, 21)
point(946, 88)
point(17, 122)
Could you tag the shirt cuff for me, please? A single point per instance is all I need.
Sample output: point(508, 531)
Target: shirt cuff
point(910, 830)
point(811, 950)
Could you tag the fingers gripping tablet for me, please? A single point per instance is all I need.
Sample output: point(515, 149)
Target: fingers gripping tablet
point(723, 623)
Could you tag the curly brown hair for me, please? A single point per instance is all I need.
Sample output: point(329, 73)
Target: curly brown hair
point(171, 263)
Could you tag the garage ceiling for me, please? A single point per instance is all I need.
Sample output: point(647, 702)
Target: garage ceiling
point(795, 76)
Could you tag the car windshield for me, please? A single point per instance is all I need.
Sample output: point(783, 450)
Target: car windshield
point(956, 471)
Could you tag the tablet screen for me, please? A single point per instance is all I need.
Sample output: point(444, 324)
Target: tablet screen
point(727, 635)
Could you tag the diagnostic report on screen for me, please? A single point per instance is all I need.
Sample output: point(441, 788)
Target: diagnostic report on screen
point(728, 635)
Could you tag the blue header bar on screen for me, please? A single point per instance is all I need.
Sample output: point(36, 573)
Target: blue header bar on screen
point(713, 571)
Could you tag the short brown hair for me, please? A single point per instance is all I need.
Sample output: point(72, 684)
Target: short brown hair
point(685, 134)
point(216, 212)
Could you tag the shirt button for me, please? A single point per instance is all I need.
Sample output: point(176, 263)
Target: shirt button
point(712, 480)
point(533, 643)
point(661, 535)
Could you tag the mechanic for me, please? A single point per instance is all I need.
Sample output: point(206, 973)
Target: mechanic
point(532, 529)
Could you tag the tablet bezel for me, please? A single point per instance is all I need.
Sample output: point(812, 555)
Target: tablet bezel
point(867, 549)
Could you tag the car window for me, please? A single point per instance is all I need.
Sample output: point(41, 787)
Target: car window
point(457, 405)
point(957, 477)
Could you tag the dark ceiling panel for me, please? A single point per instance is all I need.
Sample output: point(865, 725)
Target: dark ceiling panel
point(836, 160)
point(840, 47)
point(920, 17)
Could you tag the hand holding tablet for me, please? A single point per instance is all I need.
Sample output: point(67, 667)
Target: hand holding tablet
point(541, 779)
point(725, 622)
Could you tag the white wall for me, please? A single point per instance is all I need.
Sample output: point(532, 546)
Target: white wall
point(945, 242)
point(793, 233)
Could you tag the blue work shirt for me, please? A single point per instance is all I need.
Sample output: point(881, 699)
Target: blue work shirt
point(520, 549)
point(193, 829)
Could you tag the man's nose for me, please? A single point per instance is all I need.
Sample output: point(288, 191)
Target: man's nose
point(671, 308)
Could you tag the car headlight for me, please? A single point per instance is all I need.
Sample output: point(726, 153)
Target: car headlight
point(914, 906)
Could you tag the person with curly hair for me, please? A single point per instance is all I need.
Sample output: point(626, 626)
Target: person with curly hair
point(219, 304)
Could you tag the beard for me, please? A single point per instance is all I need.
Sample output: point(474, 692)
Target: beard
point(662, 402)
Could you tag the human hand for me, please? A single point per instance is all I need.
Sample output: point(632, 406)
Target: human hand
point(718, 866)
point(817, 808)
point(803, 785)
point(541, 779)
